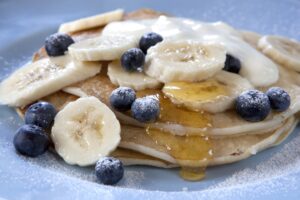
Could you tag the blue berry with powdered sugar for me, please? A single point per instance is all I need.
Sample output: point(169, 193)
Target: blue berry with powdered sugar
point(31, 140)
point(122, 98)
point(253, 105)
point(109, 170)
point(148, 40)
point(145, 109)
point(280, 100)
point(57, 44)
point(133, 60)
point(41, 114)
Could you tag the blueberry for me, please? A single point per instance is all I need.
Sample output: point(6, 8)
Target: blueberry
point(253, 105)
point(109, 170)
point(148, 40)
point(145, 109)
point(280, 100)
point(232, 64)
point(133, 60)
point(41, 114)
point(31, 140)
point(57, 44)
point(122, 98)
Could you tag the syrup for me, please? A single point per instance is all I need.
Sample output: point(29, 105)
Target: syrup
point(171, 113)
point(206, 91)
point(187, 150)
point(192, 174)
point(195, 148)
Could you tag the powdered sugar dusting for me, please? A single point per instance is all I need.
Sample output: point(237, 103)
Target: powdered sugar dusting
point(266, 176)
point(55, 173)
point(51, 161)
point(133, 179)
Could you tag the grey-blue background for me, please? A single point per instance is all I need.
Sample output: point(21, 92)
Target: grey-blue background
point(22, 17)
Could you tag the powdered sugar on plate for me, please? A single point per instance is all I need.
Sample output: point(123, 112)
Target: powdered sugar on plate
point(282, 163)
point(263, 177)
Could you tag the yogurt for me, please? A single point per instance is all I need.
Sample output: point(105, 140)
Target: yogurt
point(256, 67)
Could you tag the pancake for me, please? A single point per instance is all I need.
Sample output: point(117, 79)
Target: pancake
point(58, 99)
point(225, 150)
point(144, 151)
point(130, 157)
point(226, 123)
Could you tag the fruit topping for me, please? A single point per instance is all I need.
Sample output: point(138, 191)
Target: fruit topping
point(148, 40)
point(145, 109)
point(232, 64)
point(85, 130)
point(41, 114)
point(133, 60)
point(122, 98)
point(109, 170)
point(31, 140)
point(253, 105)
point(280, 100)
point(57, 44)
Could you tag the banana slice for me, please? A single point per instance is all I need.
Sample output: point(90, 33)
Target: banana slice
point(75, 91)
point(84, 131)
point(284, 51)
point(251, 38)
point(212, 95)
point(38, 79)
point(133, 28)
point(91, 22)
point(184, 61)
point(135, 80)
point(105, 47)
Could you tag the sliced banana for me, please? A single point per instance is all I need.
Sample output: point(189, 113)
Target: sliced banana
point(184, 61)
point(213, 95)
point(105, 47)
point(75, 91)
point(38, 79)
point(84, 131)
point(91, 22)
point(283, 50)
point(135, 80)
point(251, 38)
point(133, 28)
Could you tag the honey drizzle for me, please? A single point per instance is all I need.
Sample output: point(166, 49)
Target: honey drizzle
point(171, 113)
point(193, 148)
point(192, 174)
point(187, 150)
point(205, 91)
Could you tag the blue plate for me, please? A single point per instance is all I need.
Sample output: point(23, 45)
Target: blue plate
point(274, 173)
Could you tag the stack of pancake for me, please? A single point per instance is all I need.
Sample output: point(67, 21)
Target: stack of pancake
point(184, 137)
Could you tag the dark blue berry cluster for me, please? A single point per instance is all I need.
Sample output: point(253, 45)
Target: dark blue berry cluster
point(145, 109)
point(133, 59)
point(32, 139)
point(254, 105)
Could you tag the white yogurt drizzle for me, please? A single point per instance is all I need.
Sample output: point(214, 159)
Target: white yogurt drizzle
point(256, 67)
